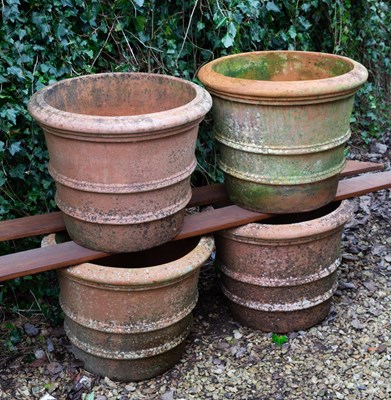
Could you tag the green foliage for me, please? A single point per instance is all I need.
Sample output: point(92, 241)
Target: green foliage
point(279, 340)
point(45, 41)
point(13, 335)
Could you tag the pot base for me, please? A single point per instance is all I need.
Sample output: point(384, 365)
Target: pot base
point(124, 238)
point(280, 322)
point(130, 370)
point(281, 199)
point(129, 356)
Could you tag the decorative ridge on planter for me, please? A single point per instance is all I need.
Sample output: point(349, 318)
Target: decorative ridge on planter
point(98, 351)
point(281, 149)
point(193, 111)
point(273, 233)
point(246, 76)
point(122, 188)
point(300, 305)
point(140, 278)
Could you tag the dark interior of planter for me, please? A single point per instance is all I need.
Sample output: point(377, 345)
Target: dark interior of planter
point(283, 67)
point(162, 254)
point(119, 95)
point(285, 219)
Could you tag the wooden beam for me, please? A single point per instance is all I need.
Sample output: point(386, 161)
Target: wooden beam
point(53, 222)
point(45, 259)
point(360, 167)
point(61, 255)
point(31, 226)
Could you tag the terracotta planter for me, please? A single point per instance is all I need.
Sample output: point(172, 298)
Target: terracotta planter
point(128, 316)
point(121, 152)
point(281, 119)
point(280, 277)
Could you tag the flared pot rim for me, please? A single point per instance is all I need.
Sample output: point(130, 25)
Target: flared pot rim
point(54, 118)
point(281, 232)
point(295, 91)
point(155, 275)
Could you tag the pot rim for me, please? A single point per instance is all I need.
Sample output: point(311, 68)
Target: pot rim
point(314, 227)
point(147, 276)
point(49, 116)
point(283, 91)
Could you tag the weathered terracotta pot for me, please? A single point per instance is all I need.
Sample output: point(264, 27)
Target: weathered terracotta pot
point(282, 119)
point(280, 277)
point(128, 316)
point(121, 149)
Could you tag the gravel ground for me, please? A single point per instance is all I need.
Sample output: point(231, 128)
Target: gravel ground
point(347, 356)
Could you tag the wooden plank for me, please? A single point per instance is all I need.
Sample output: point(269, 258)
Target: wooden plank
point(210, 194)
point(31, 226)
point(53, 222)
point(232, 216)
point(363, 184)
point(44, 259)
point(216, 193)
point(359, 167)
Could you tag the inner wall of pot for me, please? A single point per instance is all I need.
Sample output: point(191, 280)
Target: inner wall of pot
point(162, 254)
point(283, 66)
point(303, 217)
point(114, 95)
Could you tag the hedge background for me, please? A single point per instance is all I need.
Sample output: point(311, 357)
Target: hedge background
point(45, 41)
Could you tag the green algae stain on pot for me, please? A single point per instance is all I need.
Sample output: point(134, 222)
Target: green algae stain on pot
point(252, 67)
point(281, 119)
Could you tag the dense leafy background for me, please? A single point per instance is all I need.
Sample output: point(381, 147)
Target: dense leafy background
point(45, 41)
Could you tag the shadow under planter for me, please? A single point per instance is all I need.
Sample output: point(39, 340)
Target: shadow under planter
point(128, 315)
point(281, 276)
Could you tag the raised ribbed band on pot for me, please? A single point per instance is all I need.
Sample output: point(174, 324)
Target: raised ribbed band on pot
point(295, 233)
point(119, 137)
point(134, 327)
point(285, 307)
point(283, 180)
point(282, 150)
point(291, 281)
point(122, 188)
point(128, 355)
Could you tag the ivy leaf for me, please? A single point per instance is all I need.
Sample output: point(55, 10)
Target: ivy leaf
point(292, 32)
point(10, 114)
point(16, 71)
point(18, 171)
point(270, 6)
point(229, 37)
point(2, 79)
point(139, 23)
point(200, 26)
point(221, 22)
point(14, 148)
